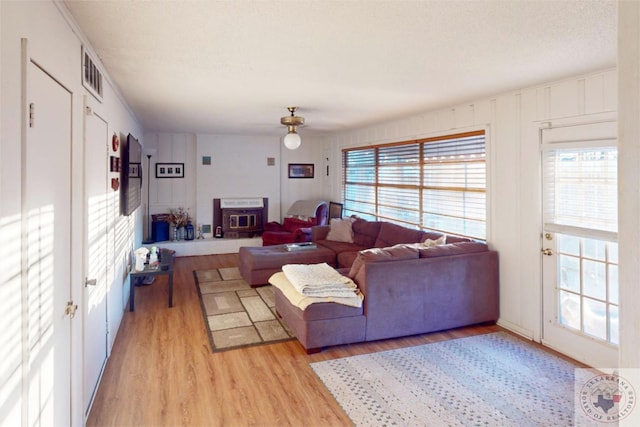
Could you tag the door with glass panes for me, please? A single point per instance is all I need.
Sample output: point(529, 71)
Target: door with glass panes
point(579, 241)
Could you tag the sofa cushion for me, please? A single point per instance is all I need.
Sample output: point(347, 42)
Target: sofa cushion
point(394, 253)
point(392, 234)
point(458, 248)
point(456, 239)
point(365, 232)
point(345, 259)
point(292, 224)
point(339, 247)
point(341, 230)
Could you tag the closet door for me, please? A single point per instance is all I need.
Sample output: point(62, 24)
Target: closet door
point(47, 246)
point(97, 145)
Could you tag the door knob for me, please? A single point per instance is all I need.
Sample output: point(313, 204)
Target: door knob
point(547, 252)
point(90, 282)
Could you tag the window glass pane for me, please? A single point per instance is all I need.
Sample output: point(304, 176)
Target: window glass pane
point(390, 213)
point(444, 188)
point(614, 325)
point(581, 187)
point(399, 154)
point(595, 318)
point(569, 268)
point(613, 284)
point(399, 175)
point(569, 244)
point(594, 249)
point(594, 279)
point(401, 198)
point(361, 175)
point(569, 310)
point(612, 247)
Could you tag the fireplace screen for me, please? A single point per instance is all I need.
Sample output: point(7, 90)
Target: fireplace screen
point(242, 221)
point(239, 217)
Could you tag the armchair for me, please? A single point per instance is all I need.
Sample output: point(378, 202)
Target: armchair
point(296, 226)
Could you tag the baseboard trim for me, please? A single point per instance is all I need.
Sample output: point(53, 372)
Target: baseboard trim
point(515, 329)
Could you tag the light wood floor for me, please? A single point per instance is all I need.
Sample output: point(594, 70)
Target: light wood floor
point(162, 373)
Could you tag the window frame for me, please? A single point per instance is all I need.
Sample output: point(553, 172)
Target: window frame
point(371, 182)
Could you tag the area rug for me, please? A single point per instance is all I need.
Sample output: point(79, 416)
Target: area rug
point(235, 314)
point(489, 380)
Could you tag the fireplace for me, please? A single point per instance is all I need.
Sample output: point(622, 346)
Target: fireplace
point(240, 217)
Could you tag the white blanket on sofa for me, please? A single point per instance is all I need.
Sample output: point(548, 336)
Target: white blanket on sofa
point(280, 281)
point(319, 280)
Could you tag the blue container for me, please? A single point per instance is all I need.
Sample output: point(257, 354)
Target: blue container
point(188, 231)
point(159, 231)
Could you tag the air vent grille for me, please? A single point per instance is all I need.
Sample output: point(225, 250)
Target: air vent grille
point(91, 76)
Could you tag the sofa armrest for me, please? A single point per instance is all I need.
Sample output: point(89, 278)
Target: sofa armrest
point(303, 234)
point(319, 232)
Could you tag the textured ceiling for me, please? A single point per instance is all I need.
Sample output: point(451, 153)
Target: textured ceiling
point(232, 67)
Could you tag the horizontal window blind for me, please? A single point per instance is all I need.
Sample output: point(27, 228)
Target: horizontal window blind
point(581, 188)
point(435, 183)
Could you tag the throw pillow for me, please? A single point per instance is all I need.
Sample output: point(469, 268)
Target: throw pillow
point(394, 253)
point(341, 230)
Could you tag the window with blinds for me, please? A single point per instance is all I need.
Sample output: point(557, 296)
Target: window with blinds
point(436, 183)
point(581, 188)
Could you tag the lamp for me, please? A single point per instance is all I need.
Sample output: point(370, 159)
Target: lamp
point(149, 153)
point(292, 140)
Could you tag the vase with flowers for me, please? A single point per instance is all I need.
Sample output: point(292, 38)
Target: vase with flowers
point(179, 218)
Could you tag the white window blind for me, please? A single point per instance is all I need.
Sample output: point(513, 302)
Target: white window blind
point(581, 188)
point(435, 183)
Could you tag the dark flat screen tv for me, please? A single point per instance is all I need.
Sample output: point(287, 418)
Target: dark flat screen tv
point(130, 175)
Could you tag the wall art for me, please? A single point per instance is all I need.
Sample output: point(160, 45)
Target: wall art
point(169, 170)
point(301, 170)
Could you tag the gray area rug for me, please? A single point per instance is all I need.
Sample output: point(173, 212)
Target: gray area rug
point(235, 314)
point(486, 380)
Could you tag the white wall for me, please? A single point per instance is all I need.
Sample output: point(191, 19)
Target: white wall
point(629, 182)
point(55, 43)
point(511, 121)
point(238, 168)
point(169, 193)
point(311, 151)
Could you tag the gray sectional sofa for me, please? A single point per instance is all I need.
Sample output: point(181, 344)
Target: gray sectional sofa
point(408, 289)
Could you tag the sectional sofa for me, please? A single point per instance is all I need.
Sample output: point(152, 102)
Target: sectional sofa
point(411, 285)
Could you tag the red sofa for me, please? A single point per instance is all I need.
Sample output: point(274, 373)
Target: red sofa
point(296, 226)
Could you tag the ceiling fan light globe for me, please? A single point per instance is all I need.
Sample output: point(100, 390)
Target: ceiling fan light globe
point(292, 140)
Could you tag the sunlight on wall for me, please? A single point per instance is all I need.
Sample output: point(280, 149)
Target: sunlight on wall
point(10, 321)
point(97, 249)
point(40, 314)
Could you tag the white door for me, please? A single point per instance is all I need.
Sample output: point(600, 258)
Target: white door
point(47, 169)
point(579, 242)
point(96, 146)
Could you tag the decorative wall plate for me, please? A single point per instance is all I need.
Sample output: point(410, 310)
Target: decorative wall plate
point(115, 142)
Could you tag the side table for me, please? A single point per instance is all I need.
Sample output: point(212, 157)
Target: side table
point(165, 266)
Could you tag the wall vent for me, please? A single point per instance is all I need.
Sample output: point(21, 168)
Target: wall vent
point(91, 76)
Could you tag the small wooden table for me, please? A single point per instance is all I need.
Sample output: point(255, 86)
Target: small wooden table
point(165, 266)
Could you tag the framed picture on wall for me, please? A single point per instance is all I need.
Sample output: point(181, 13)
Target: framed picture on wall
point(135, 170)
point(169, 170)
point(301, 170)
point(114, 164)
